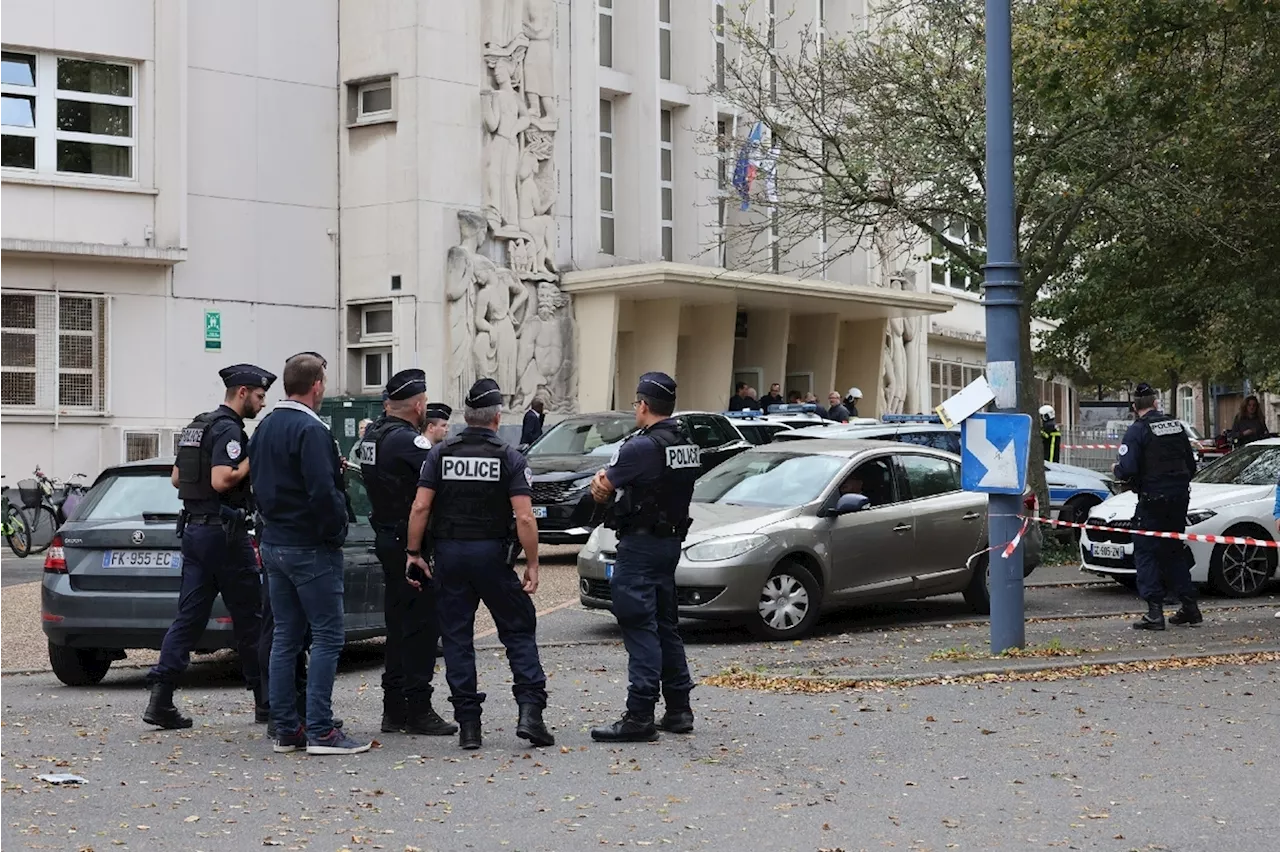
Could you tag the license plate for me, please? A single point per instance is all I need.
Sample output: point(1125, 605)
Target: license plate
point(141, 559)
point(608, 570)
point(1108, 551)
point(539, 511)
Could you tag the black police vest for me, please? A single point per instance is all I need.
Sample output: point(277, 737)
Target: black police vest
point(391, 485)
point(1164, 460)
point(472, 501)
point(662, 506)
point(195, 467)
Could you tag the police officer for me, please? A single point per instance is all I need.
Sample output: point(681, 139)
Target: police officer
point(471, 486)
point(391, 455)
point(211, 474)
point(1157, 461)
point(437, 425)
point(1050, 434)
point(653, 471)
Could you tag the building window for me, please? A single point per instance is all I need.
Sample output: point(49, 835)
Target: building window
point(606, 176)
point(371, 101)
point(377, 368)
point(773, 47)
point(54, 352)
point(1187, 404)
point(63, 115)
point(725, 148)
point(376, 321)
point(719, 31)
point(604, 8)
point(947, 378)
point(664, 39)
point(666, 185)
point(943, 267)
point(141, 445)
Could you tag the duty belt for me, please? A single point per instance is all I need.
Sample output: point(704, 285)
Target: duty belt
point(659, 530)
point(207, 520)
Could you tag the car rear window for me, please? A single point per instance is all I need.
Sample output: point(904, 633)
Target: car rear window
point(1250, 465)
point(123, 496)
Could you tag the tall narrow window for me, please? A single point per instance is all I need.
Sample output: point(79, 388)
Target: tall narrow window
point(665, 182)
point(773, 47)
point(664, 39)
point(722, 186)
point(606, 176)
point(604, 10)
point(775, 248)
point(720, 44)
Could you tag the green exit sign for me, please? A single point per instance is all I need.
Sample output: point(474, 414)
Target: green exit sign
point(212, 330)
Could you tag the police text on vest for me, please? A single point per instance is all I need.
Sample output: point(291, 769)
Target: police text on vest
point(471, 469)
point(683, 456)
point(1164, 428)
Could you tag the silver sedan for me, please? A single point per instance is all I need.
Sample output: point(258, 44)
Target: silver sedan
point(787, 531)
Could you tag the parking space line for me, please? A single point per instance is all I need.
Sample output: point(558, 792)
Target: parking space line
point(493, 631)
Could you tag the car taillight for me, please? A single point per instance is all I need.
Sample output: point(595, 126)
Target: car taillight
point(55, 559)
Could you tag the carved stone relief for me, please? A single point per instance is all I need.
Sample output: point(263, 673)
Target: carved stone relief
point(904, 387)
point(509, 320)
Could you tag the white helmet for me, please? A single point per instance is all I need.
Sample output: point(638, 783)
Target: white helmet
point(1047, 412)
point(853, 393)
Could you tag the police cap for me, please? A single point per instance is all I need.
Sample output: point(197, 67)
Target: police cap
point(658, 386)
point(246, 375)
point(407, 384)
point(1144, 389)
point(483, 394)
point(438, 411)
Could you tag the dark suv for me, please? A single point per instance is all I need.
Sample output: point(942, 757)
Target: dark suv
point(567, 456)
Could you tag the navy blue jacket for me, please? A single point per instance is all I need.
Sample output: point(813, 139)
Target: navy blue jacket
point(531, 429)
point(294, 471)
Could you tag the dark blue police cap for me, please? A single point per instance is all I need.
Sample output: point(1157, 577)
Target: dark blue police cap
point(246, 375)
point(657, 385)
point(483, 394)
point(438, 411)
point(407, 384)
point(1144, 389)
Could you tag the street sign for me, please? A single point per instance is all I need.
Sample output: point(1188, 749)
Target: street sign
point(212, 330)
point(993, 453)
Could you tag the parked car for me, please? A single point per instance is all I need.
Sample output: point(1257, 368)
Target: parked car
point(785, 532)
point(754, 428)
point(114, 570)
point(1073, 491)
point(1234, 496)
point(567, 456)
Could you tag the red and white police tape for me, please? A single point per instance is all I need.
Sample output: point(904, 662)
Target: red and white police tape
point(1210, 539)
point(1012, 545)
point(1091, 446)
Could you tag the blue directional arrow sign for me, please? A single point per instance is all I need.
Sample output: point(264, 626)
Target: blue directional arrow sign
point(993, 453)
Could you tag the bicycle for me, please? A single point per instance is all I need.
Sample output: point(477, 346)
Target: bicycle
point(13, 526)
point(46, 504)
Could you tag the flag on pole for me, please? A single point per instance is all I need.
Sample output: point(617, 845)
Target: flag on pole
point(745, 171)
point(769, 166)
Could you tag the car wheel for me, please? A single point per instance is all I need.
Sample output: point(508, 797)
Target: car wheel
point(1241, 570)
point(1076, 511)
point(789, 603)
point(978, 593)
point(78, 666)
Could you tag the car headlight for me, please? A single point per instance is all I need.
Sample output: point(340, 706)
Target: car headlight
point(1199, 516)
point(593, 544)
point(726, 547)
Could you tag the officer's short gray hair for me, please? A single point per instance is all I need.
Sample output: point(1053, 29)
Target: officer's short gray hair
point(481, 416)
point(1142, 403)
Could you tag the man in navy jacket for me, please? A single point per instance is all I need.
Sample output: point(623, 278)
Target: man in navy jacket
point(298, 486)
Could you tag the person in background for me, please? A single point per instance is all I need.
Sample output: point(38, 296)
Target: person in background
point(436, 428)
point(837, 411)
point(1249, 425)
point(753, 401)
point(353, 457)
point(794, 398)
point(811, 398)
point(1050, 434)
point(533, 420)
point(851, 401)
point(738, 401)
point(773, 397)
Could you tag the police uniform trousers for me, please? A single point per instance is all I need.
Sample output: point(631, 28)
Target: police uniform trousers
point(266, 640)
point(466, 573)
point(643, 589)
point(212, 564)
point(413, 628)
point(1163, 564)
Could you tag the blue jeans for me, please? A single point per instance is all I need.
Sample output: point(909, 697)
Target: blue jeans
point(645, 604)
point(305, 584)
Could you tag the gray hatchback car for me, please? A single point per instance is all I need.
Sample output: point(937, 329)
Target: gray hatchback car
point(114, 570)
point(787, 531)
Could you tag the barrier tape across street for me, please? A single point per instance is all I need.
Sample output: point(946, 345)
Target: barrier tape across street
point(1210, 539)
point(1091, 446)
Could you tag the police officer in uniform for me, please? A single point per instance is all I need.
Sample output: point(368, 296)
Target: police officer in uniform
point(471, 487)
point(211, 474)
point(437, 426)
point(651, 476)
point(391, 455)
point(1157, 461)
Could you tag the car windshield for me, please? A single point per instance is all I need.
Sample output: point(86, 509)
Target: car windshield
point(768, 479)
point(123, 496)
point(1251, 465)
point(575, 437)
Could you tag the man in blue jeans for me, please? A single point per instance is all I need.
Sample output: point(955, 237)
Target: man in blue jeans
point(304, 512)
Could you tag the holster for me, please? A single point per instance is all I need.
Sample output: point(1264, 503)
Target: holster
point(513, 547)
point(181, 526)
point(234, 523)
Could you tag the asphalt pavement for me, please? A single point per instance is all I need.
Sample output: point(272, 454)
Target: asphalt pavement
point(14, 570)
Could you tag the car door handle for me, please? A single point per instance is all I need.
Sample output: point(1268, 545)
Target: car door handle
point(902, 528)
point(972, 516)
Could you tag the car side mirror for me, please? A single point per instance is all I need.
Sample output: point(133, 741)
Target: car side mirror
point(847, 505)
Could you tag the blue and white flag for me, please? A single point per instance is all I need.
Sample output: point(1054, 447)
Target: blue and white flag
point(745, 171)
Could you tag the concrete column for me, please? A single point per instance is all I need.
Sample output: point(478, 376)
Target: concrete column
point(706, 356)
point(861, 362)
point(656, 325)
point(768, 332)
point(597, 319)
point(635, 134)
point(815, 337)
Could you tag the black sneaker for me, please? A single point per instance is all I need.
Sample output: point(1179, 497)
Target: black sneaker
point(337, 742)
point(296, 741)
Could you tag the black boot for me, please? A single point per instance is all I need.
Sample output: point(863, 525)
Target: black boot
point(631, 728)
point(531, 727)
point(1189, 614)
point(160, 710)
point(261, 706)
point(470, 737)
point(395, 714)
point(1154, 619)
point(427, 722)
point(679, 717)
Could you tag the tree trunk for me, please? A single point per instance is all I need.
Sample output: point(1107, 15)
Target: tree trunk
point(1029, 403)
point(1173, 393)
point(1209, 430)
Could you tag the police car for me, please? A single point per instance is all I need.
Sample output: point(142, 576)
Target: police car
point(760, 427)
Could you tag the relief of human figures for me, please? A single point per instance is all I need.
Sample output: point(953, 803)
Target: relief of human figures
point(505, 119)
